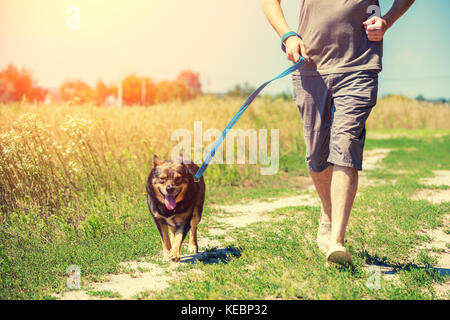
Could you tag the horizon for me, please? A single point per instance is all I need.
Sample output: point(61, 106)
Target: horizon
point(154, 39)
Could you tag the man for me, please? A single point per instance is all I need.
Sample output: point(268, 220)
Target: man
point(335, 91)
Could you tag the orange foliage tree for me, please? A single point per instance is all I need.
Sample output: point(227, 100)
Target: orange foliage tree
point(142, 90)
point(138, 90)
point(192, 81)
point(16, 85)
point(76, 88)
point(171, 90)
point(101, 92)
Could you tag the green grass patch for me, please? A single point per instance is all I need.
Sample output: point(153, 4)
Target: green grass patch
point(276, 260)
point(279, 259)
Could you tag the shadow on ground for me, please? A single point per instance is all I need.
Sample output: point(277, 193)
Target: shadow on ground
point(392, 269)
point(213, 256)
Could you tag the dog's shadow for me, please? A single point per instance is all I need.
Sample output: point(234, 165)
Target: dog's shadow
point(213, 256)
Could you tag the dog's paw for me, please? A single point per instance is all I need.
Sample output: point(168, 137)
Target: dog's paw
point(167, 256)
point(193, 249)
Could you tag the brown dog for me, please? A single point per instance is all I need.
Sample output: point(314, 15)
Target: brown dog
point(175, 201)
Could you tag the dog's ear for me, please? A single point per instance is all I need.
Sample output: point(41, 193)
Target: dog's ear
point(157, 161)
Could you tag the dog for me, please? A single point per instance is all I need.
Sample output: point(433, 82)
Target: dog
point(175, 202)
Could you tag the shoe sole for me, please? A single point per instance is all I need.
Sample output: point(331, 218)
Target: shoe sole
point(339, 257)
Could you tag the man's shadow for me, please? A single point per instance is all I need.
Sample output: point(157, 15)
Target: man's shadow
point(392, 269)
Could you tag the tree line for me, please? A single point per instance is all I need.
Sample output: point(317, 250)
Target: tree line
point(18, 85)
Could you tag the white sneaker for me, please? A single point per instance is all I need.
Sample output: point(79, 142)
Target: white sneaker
point(338, 254)
point(323, 236)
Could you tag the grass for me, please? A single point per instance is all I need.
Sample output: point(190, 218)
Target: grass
point(71, 184)
point(279, 260)
point(104, 294)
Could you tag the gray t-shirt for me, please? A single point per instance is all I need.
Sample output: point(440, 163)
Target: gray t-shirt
point(335, 38)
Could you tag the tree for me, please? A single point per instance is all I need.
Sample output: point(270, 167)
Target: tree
point(101, 92)
point(239, 91)
point(192, 81)
point(76, 89)
point(16, 85)
point(150, 91)
point(170, 90)
point(420, 97)
point(131, 87)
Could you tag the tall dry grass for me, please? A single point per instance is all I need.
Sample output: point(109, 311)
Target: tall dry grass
point(52, 156)
point(49, 155)
point(399, 112)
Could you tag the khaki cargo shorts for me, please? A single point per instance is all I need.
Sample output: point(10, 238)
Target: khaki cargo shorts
point(334, 109)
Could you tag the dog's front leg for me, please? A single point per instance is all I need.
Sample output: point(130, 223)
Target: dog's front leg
point(165, 241)
point(180, 234)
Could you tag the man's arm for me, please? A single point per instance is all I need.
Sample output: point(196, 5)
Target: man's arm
point(377, 26)
point(294, 45)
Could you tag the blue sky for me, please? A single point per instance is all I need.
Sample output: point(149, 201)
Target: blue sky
point(227, 42)
point(416, 51)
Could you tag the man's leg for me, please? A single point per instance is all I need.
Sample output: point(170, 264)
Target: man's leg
point(344, 184)
point(336, 186)
point(354, 95)
point(322, 182)
point(314, 102)
point(343, 190)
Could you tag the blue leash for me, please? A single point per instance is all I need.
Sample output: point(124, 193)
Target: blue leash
point(238, 114)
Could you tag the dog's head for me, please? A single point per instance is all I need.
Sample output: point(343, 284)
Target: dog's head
point(170, 181)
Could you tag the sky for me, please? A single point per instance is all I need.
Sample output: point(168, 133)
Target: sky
point(227, 42)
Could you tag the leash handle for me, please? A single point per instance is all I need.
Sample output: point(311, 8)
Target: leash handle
point(239, 113)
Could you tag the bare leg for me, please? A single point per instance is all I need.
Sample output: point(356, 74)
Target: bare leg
point(322, 182)
point(343, 190)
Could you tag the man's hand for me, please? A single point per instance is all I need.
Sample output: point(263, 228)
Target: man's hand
point(295, 47)
point(375, 28)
